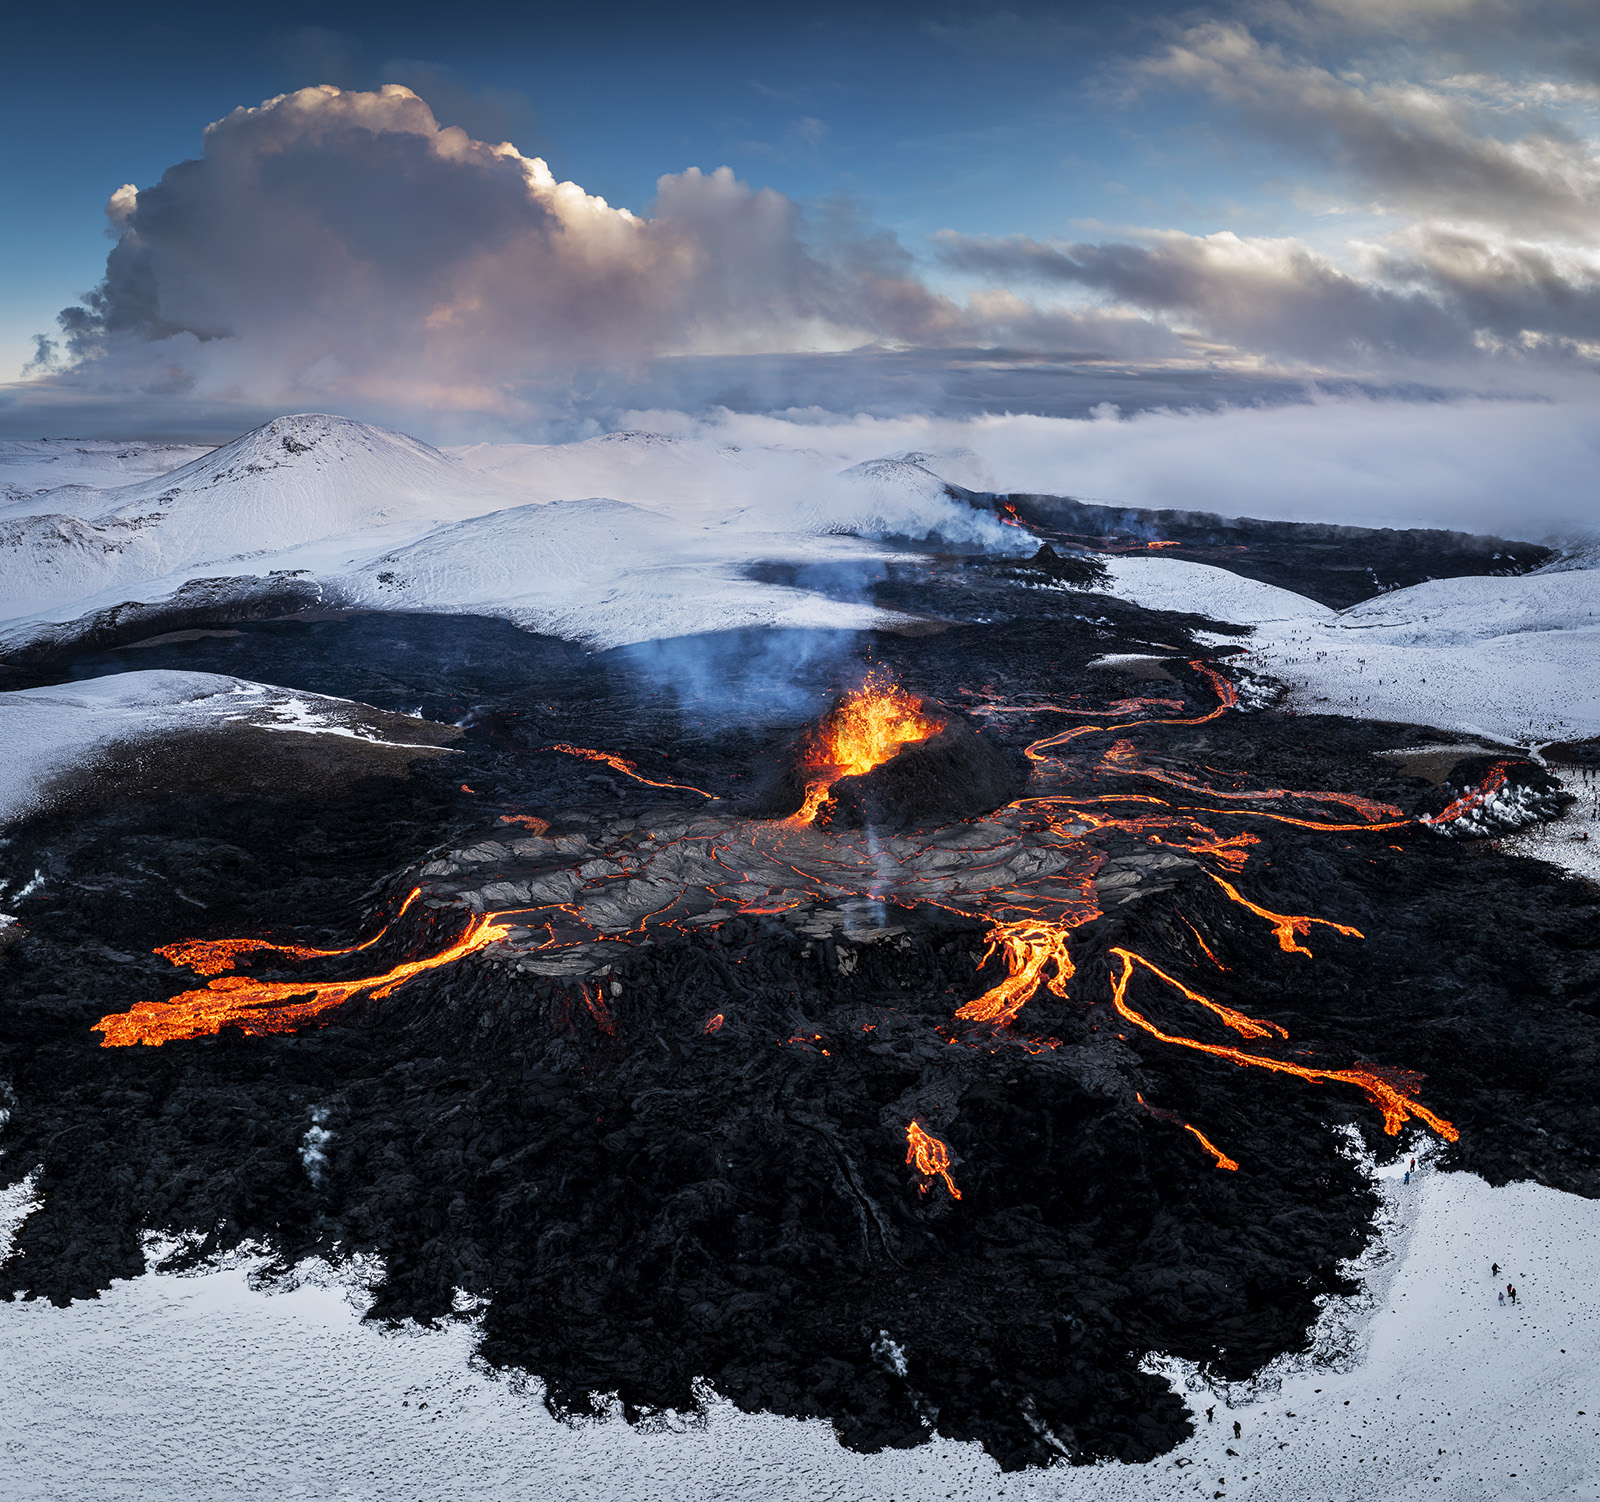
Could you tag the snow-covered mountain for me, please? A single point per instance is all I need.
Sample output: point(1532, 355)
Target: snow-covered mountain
point(354, 509)
point(295, 481)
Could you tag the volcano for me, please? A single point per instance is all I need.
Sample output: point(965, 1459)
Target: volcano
point(935, 1052)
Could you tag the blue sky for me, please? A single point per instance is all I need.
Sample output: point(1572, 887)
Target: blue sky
point(1403, 193)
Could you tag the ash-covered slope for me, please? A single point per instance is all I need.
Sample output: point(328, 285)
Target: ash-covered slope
point(292, 482)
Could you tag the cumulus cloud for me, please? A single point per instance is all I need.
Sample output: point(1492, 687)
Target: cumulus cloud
point(345, 242)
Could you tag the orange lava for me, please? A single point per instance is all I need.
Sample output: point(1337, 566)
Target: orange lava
point(599, 1010)
point(930, 1157)
point(1286, 925)
point(623, 765)
point(528, 822)
point(864, 730)
point(213, 956)
point(1383, 1087)
point(261, 1007)
point(1492, 783)
point(1223, 1160)
point(1028, 946)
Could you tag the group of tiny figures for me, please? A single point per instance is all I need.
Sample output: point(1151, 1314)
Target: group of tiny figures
point(1509, 1291)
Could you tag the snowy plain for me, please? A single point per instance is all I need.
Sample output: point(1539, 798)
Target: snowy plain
point(201, 1387)
point(1516, 660)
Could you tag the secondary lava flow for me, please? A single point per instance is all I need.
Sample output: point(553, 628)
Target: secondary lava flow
point(861, 732)
point(930, 1157)
point(259, 1007)
point(213, 956)
point(623, 765)
point(1382, 1086)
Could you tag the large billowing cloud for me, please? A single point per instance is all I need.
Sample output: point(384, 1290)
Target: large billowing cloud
point(334, 242)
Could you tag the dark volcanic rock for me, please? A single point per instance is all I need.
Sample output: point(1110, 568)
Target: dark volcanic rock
point(700, 1173)
point(955, 774)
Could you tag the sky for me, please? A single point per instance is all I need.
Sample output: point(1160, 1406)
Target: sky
point(531, 221)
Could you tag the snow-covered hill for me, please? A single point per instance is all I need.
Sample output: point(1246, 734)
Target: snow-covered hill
point(369, 516)
point(29, 467)
point(295, 481)
point(1514, 659)
point(49, 732)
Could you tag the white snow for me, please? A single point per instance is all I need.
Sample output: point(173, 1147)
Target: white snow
point(200, 1387)
point(28, 467)
point(652, 538)
point(1571, 841)
point(1516, 660)
point(49, 731)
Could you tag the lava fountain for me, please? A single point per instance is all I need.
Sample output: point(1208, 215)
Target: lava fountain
point(865, 729)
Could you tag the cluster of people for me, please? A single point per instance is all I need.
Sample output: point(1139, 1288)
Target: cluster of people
point(1509, 1291)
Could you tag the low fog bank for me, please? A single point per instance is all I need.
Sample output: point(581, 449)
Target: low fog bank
point(1513, 468)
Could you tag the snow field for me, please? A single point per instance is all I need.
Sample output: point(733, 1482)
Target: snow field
point(377, 518)
point(1516, 660)
point(53, 730)
point(199, 1387)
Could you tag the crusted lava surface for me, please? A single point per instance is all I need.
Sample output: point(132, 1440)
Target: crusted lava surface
point(674, 1148)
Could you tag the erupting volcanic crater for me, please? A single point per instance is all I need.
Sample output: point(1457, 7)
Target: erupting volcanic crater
point(925, 1067)
point(883, 759)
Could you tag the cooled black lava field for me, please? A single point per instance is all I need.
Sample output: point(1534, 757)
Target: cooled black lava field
point(676, 1150)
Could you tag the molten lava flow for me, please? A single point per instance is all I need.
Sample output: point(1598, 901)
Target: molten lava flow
point(1124, 757)
point(863, 731)
point(213, 956)
point(1223, 1160)
point(627, 768)
point(1246, 1027)
point(528, 821)
point(1472, 798)
point(1204, 946)
point(1380, 1085)
point(930, 1157)
point(1028, 946)
point(1285, 925)
point(599, 1010)
point(260, 1007)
